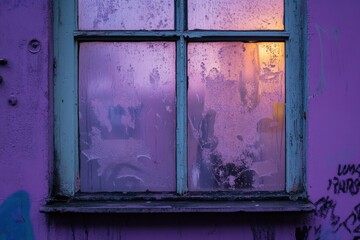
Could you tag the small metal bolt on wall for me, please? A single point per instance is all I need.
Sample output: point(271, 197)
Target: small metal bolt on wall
point(3, 61)
point(34, 46)
point(12, 100)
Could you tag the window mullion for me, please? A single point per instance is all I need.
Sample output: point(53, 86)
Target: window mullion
point(181, 125)
point(181, 99)
point(251, 36)
point(180, 15)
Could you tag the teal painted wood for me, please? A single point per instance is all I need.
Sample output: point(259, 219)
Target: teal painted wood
point(178, 207)
point(181, 123)
point(66, 90)
point(173, 35)
point(295, 85)
point(65, 102)
point(180, 21)
point(181, 101)
point(305, 93)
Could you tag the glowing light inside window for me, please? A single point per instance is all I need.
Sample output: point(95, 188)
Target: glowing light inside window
point(236, 128)
point(236, 14)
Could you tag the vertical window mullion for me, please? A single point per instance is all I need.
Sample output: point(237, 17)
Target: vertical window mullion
point(180, 15)
point(181, 117)
point(181, 100)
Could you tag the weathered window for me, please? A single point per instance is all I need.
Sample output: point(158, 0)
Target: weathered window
point(182, 98)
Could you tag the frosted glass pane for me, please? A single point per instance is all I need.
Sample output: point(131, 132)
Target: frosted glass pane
point(127, 116)
point(236, 14)
point(126, 15)
point(236, 128)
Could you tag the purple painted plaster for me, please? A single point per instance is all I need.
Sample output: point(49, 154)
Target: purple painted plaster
point(333, 136)
point(334, 114)
point(334, 74)
point(26, 128)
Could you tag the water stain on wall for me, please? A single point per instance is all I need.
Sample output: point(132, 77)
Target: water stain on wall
point(302, 233)
point(14, 217)
point(263, 232)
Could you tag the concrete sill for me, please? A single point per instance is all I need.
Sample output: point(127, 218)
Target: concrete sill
point(177, 206)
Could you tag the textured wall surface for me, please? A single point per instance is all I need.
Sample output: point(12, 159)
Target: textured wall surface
point(333, 128)
point(333, 141)
point(25, 119)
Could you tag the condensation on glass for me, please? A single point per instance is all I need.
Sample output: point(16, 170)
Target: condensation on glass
point(236, 14)
point(236, 128)
point(127, 116)
point(126, 15)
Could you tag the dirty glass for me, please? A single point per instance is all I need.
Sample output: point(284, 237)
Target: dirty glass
point(236, 14)
point(127, 116)
point(126, 15)
point(236, 128)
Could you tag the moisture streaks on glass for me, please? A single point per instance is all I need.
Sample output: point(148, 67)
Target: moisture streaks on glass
point(126, 15)
point(127, 116)
point(236, 14)
point(236, 128)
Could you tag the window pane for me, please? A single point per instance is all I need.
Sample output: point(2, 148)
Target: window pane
point(236, 128)
point(126, 15)
point(236, 14)
point(127, 116)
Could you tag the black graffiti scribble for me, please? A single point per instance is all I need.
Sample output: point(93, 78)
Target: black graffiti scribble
point(325, 207)
point(352, 222)
point(349, 185)
point(346, 181)
point(350, 169)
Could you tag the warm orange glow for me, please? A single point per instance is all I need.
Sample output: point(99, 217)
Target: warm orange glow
point(236, 109)
point(236, 15)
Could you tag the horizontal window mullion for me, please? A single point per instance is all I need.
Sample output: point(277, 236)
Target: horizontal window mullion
point(236, 35)
point(189, 35)
point(84, 35)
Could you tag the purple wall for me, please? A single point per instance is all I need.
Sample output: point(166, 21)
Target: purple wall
point(333, 140)
point(26, 126)
point(334, 115)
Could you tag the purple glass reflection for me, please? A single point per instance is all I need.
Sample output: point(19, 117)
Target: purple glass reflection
point(127, 116)
point(126, 15)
